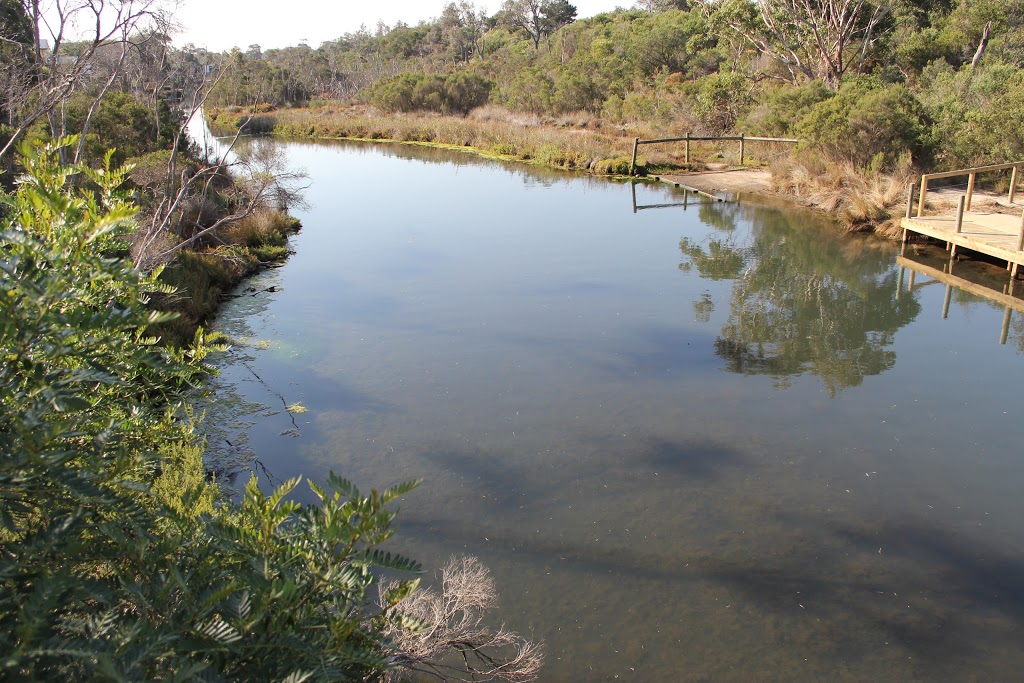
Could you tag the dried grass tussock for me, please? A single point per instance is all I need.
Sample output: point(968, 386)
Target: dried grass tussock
point(863, 201)
point(449, 639)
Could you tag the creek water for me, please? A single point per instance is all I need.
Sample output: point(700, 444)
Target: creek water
point(700, 442)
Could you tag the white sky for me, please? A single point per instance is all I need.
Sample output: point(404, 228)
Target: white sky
point(220, 25)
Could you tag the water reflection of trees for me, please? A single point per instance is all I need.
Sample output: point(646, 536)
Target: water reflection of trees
point(530, 174)
point(803, 300)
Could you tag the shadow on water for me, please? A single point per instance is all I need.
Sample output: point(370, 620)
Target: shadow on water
point(675, 461)
point(866, 599)
point(249, 414)
point(253, 402)
point(529, 493)
point(940, 595)
point(662, 351)
point(691, 461)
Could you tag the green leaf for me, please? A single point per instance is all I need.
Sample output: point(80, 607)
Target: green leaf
point(398, 490)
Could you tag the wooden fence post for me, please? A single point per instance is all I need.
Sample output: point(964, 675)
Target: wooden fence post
point(632, 164)
point(687, 146)
point(924, 191)
point(1020, 247)
point(1013, 183)
point(970, 189)
point(910, 201)
point(960, 214)
point(742, 148)
point(1020, 237)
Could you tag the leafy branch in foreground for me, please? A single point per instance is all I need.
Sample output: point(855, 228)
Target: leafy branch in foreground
point(119, 558)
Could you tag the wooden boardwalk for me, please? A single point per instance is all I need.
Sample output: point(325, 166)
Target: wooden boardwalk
point(995, 234)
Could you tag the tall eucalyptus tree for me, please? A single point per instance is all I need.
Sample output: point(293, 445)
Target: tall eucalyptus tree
point(811, 39)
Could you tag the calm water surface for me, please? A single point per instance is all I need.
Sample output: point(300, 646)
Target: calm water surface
point(692, 443)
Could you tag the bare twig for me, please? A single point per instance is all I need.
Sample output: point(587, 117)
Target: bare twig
point(452, 627)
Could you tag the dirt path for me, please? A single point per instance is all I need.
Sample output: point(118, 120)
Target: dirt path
point(758, 181)
point(944, 200)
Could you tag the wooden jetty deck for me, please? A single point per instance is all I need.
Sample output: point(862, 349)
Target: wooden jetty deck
point(995, 234)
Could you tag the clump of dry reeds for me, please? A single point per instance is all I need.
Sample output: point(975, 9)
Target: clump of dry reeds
point(863, 200)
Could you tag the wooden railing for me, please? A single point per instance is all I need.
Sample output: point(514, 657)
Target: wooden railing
point(741, 138)
point(972, 175)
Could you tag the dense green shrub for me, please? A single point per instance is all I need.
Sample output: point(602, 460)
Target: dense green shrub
point(869, 124)
point(574, 91)
point(457, 93)
point(259, 124)
point(117, 561)
point(780, 109)
point(464, 92)
point(721, 99)
point(124, 123)
point(528, 90)
point(617, 166)
point(979, 114)
point(639, 106)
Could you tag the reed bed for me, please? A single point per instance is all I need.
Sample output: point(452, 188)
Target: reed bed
point(577, 141)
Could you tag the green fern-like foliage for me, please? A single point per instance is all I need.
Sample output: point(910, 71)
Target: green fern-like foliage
point(119, 560)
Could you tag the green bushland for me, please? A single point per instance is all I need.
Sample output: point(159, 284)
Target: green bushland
point(122, 123)
point(142, 138)
point(868, 124)
point(121, 559)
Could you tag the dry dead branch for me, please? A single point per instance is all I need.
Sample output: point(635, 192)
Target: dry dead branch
point(451, 642)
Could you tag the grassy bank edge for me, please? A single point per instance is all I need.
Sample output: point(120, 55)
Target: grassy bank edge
point(202, 277)
point(493, 135)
